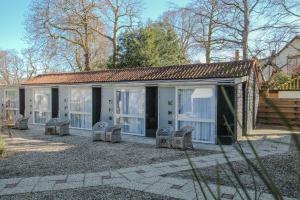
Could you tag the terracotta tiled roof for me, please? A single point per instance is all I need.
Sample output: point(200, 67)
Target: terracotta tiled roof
point(179, 72)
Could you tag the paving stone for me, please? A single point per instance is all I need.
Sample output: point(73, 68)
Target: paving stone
point(69, 185)
point(44, 186)
point(10, 181)
point(132, 176)
point(132, 185)
point(127, 170)
point(97, 174)
point(90, 182)
point(115, 174)
point(53, 178)
point(29, 181)
point(16, 190)
point(158, 188)
point(75, 177)
point(113, 181)
point(150, 180)
point(174, 181)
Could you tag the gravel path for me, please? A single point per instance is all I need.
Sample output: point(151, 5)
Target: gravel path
point(283, 168)
point(34, 154)
point(103, 192)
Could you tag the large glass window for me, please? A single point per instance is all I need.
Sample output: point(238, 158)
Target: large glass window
point(81, 108)
point(11, 104)
point(196, 107)
point(41, 105)
point(130, 110)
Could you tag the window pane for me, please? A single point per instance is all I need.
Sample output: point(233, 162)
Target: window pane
point(41, 117)
point(196, 107)
point(81, 121)
point(11, 99)
point(130, 106)
point(132, 125)
point(42, 105)
point(81, 108)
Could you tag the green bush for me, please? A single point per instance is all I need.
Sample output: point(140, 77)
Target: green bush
point(280, 78)
point(2, 146)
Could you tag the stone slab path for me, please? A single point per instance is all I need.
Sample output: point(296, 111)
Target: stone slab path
point(146, 178)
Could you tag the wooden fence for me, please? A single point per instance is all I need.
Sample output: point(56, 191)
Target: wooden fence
point(293, 84)
point(290, 108)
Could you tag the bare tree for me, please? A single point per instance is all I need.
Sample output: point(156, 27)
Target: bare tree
point(184, 23)
point(245, 20)
point(198, 25)
point(118, 15)
point(58, 26)
point(11, 68)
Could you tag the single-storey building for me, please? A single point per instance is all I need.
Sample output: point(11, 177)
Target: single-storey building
point(143, 99)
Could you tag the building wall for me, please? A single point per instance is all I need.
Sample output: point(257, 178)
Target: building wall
point(252, 100)
point(63, 101)
point(166, 104)
point(239, 109)
point(29, 104)
point(107, 108)
point(291, 50)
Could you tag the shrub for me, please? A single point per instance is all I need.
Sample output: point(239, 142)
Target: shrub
point(2, 146)
point(279, 78)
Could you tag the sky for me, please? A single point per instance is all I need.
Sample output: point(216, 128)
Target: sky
point(13, 13)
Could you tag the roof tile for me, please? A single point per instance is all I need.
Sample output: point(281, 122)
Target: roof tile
point(179, 72)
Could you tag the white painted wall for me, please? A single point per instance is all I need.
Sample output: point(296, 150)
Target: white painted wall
point(289, 94)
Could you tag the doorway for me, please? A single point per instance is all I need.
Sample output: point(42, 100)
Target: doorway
point(96, 105)
point(151, 111)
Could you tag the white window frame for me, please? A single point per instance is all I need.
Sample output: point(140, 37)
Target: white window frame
point(80, 113)
point(11, 109)
point(132, 116)
point(179, 118)
point(33, 103)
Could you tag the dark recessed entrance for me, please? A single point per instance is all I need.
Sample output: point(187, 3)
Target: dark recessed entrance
point(151, 111)
point(55, 102)
point(96, 105)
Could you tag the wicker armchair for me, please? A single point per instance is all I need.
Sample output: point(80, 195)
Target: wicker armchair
point(113, 134)
point(164, 137)
point(62, 128)
point(99, 131)
point(182, 139)
point(56, 126)
point(22, 123)
point(50, 126)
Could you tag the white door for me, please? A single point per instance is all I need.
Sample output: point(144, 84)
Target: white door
point(130, 110)
point(196, 107)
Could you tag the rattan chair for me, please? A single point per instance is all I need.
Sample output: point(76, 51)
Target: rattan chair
point(62, 127)
point(113, 134)
point(22, 123)
point(182, 139)
point(99, 131)
point(56, 126)
point(164, 137)
point(50, 126)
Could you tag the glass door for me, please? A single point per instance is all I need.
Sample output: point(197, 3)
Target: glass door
point(130, 110)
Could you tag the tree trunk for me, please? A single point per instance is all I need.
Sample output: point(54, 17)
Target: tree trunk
point(115, 43)
point(245, 30)
point(86, 48)
point(209, 36)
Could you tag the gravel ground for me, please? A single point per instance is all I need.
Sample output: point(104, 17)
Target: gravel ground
point(283, 168)
point(33, 154)
point(103, 192)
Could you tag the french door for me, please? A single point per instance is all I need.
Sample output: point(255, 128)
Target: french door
point(196, 106)
point(130, 110)
point(11, 98)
